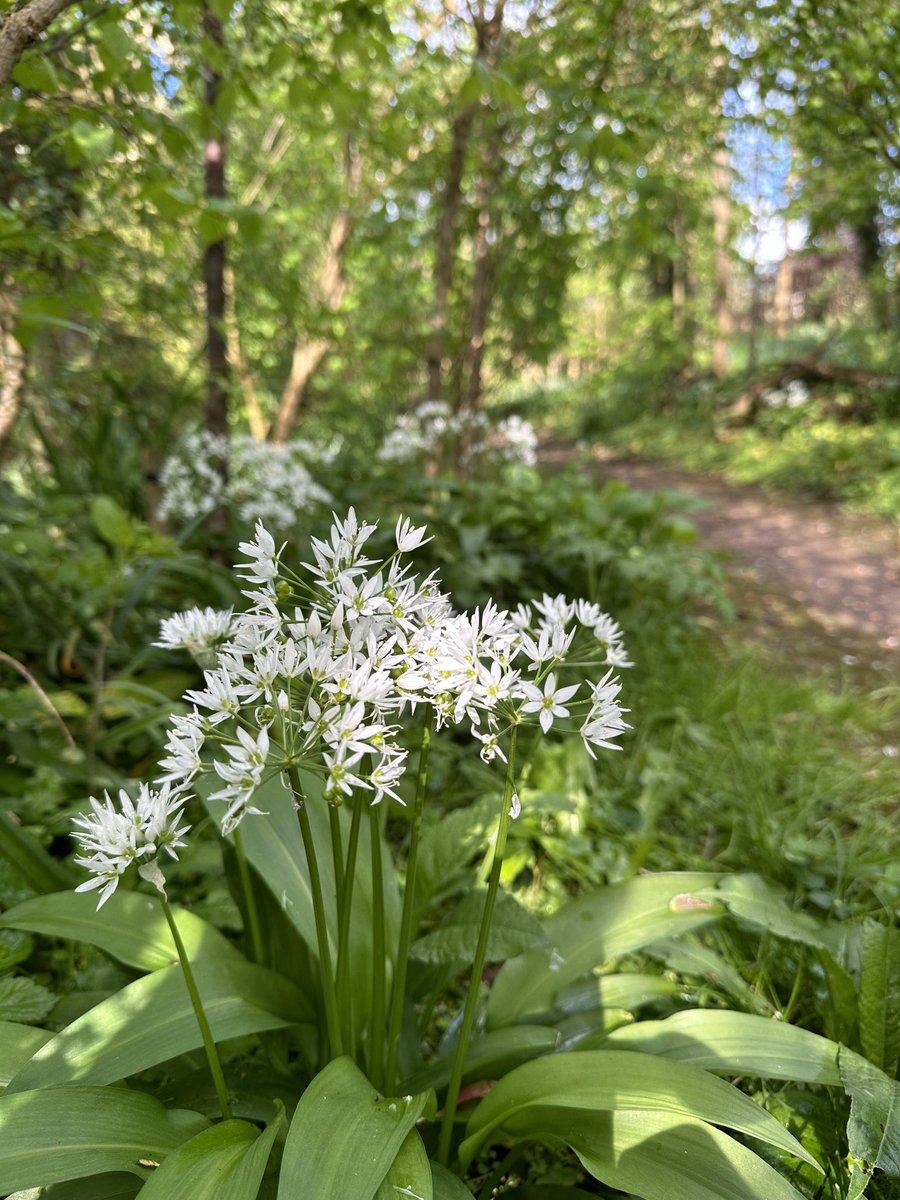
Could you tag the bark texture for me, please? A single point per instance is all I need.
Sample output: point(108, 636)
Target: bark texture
point(214, 254)
point(488, 29)
point(23, 27)
point(12, 364)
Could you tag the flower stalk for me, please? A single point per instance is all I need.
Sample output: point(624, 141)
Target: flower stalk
point(209, 1045)
point(484, 931)
point(345, 909)
point(379, 981)
point(329, 994)
point(398, 992)
point(256, 939)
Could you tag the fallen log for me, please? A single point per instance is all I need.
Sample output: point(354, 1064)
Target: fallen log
point(745, 408)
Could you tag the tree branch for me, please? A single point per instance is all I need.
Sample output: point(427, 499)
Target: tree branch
point(23, 27)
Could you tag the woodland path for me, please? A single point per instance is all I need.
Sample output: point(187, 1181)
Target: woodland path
point(817, 582)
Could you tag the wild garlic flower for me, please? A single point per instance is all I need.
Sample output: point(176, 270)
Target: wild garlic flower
point(197, 630)
point(332, 654)
point(265, 482)
point(433, 426)
point(114, 838)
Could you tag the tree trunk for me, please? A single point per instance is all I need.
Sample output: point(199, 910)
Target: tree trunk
point(21, 28)
point(309, 352)
point(722, 270)
point(487, 45)
point(483, 278)
point(445, 250)
point(781, 301)
point(12, 363)
point(214, 256)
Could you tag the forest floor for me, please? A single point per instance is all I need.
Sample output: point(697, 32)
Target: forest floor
point(817, 584)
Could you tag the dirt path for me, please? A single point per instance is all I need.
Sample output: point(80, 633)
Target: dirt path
point(809, 565)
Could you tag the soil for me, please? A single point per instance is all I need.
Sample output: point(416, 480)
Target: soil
point(811, 579)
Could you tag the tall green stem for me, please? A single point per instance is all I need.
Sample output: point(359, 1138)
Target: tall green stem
point(398, 992)
point(329, 995)
point(346, 910)
point(481, 947)
point(249, 898)
point(337, 853)
point(209, 1045)
point(376, 1025)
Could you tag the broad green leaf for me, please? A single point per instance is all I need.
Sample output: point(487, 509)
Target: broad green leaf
point(687, 957)
point(879, 1028)
point(344, 1136)
point(757, 902)
point(513, 931)
point(873, 1131)
point(409, 1175)
point(61, 1133)
point(735, 1043)
point(596, 929)
point(664, 1156)
point(226, 1162)
point(17, 1044)
point(15, 947)
point(589, 1030)
point(38, 869)
point(490, 1055)
point(611, 1081)
point(448, 843)
point(24, 1000)
point(448, 1187)
point(275, 849)
point(130, 926)
point(628, 992)
point(112, 522)
point(151, 1020)
point(114, 1185)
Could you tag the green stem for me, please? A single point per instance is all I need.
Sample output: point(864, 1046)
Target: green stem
point(398, 992)
point(484, 931)
point(376, 1026)
point(329, 995)
point(256, 939)
point(343, 961)
point(337, 854)
point(209, 1044)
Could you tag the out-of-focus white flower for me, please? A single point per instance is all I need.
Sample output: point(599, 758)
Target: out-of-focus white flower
point(266, 482)
point(197, 630)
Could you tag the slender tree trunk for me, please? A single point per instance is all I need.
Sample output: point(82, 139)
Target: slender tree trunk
point(781, 301)
point(214, 254)
point(445, 250)
point(21, 28)
point(309, 352)
point(483, 278)
point(12, 363)
point(488, 29)
point(722, 267)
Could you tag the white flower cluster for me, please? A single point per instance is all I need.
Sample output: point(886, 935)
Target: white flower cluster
point(794, 394)
point(198, 630)
point(113, 839)
point(433, 426)
point(265, 482)
point(321, 667)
